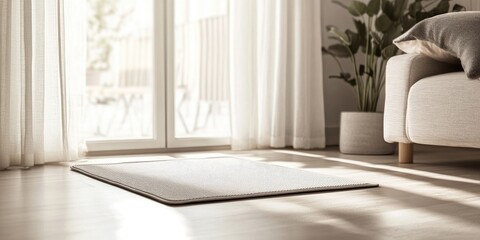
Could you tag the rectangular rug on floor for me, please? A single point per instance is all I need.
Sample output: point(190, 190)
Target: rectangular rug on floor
point(182, 181)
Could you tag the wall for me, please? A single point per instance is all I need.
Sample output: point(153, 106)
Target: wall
point(338, 95)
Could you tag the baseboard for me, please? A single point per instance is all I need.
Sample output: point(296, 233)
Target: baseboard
point(332, 135)
point(156, 150)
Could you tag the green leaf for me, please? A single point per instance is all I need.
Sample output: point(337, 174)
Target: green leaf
point(442, 7)
point(335, 76)
point(339, 50)
point(361, 28)
point(345, 75)
point(325, 51)
point(356, 8)
point(373, 7)
point(369, 71)
point(336, 39)
point(340, 35)
point(352, 82)
point(354, 13)
point(378, 51)
point(423, 15)
point(350, 9)
point(360, 7)
point(362, 32)
point(399, 8)
point(383, 23)
point(361, 69)
point(389, 51)
point(388, 8)
point(354, 41)
point(376, 37)
point(390, 35)
point(414, 8)
point(408, 23)
point(458, 8)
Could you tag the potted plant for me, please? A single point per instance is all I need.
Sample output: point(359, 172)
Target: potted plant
point(368, 49)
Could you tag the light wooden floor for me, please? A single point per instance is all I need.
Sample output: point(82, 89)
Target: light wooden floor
point(438, 197)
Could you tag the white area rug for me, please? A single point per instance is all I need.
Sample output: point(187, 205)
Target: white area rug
point(183, 181)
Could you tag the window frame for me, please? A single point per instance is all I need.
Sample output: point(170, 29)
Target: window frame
point(172, 140)
point(164, 95)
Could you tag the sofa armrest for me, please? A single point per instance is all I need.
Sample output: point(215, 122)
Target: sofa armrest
point(402, 72)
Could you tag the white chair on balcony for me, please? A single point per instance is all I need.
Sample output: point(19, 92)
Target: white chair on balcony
point(208, 58)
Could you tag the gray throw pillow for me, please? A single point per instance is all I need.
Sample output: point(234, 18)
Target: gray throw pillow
point(448, 37)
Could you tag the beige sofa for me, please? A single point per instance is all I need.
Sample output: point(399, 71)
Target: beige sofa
point(429, 102)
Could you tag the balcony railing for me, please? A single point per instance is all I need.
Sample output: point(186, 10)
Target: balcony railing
point(120, 99)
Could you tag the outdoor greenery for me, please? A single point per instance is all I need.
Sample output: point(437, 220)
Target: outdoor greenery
point(105, 21)
point(369, 46)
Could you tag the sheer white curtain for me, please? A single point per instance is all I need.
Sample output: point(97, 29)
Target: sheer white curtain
point(276, 74)
point(41, 79)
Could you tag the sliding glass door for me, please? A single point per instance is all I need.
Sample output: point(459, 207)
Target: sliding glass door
point(157, 74)
point(125, 105)
point(197, 63)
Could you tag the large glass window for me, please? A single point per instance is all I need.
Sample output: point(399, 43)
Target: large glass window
point(199, 73)
point(119, 69)
point(135, 49)
point(201, 68)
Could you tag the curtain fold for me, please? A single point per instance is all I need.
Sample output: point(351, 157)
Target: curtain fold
point(276, 74)
point(41, 81)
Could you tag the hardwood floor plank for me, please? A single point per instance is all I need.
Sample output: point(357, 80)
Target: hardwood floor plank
point(437, 197)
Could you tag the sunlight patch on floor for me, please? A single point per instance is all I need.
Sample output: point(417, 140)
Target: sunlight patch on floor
point(288, 164)
point(345, 225)
point(221, 155)
point(203, 155)
point(320, 214)
point(426, 188)
point(133, 216)
point(385, 167)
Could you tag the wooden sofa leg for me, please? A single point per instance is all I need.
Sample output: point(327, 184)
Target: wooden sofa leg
point(405, 152)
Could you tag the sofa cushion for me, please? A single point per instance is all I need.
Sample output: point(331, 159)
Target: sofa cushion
point(402, 72)
point(444, 110)
point(447, 37)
